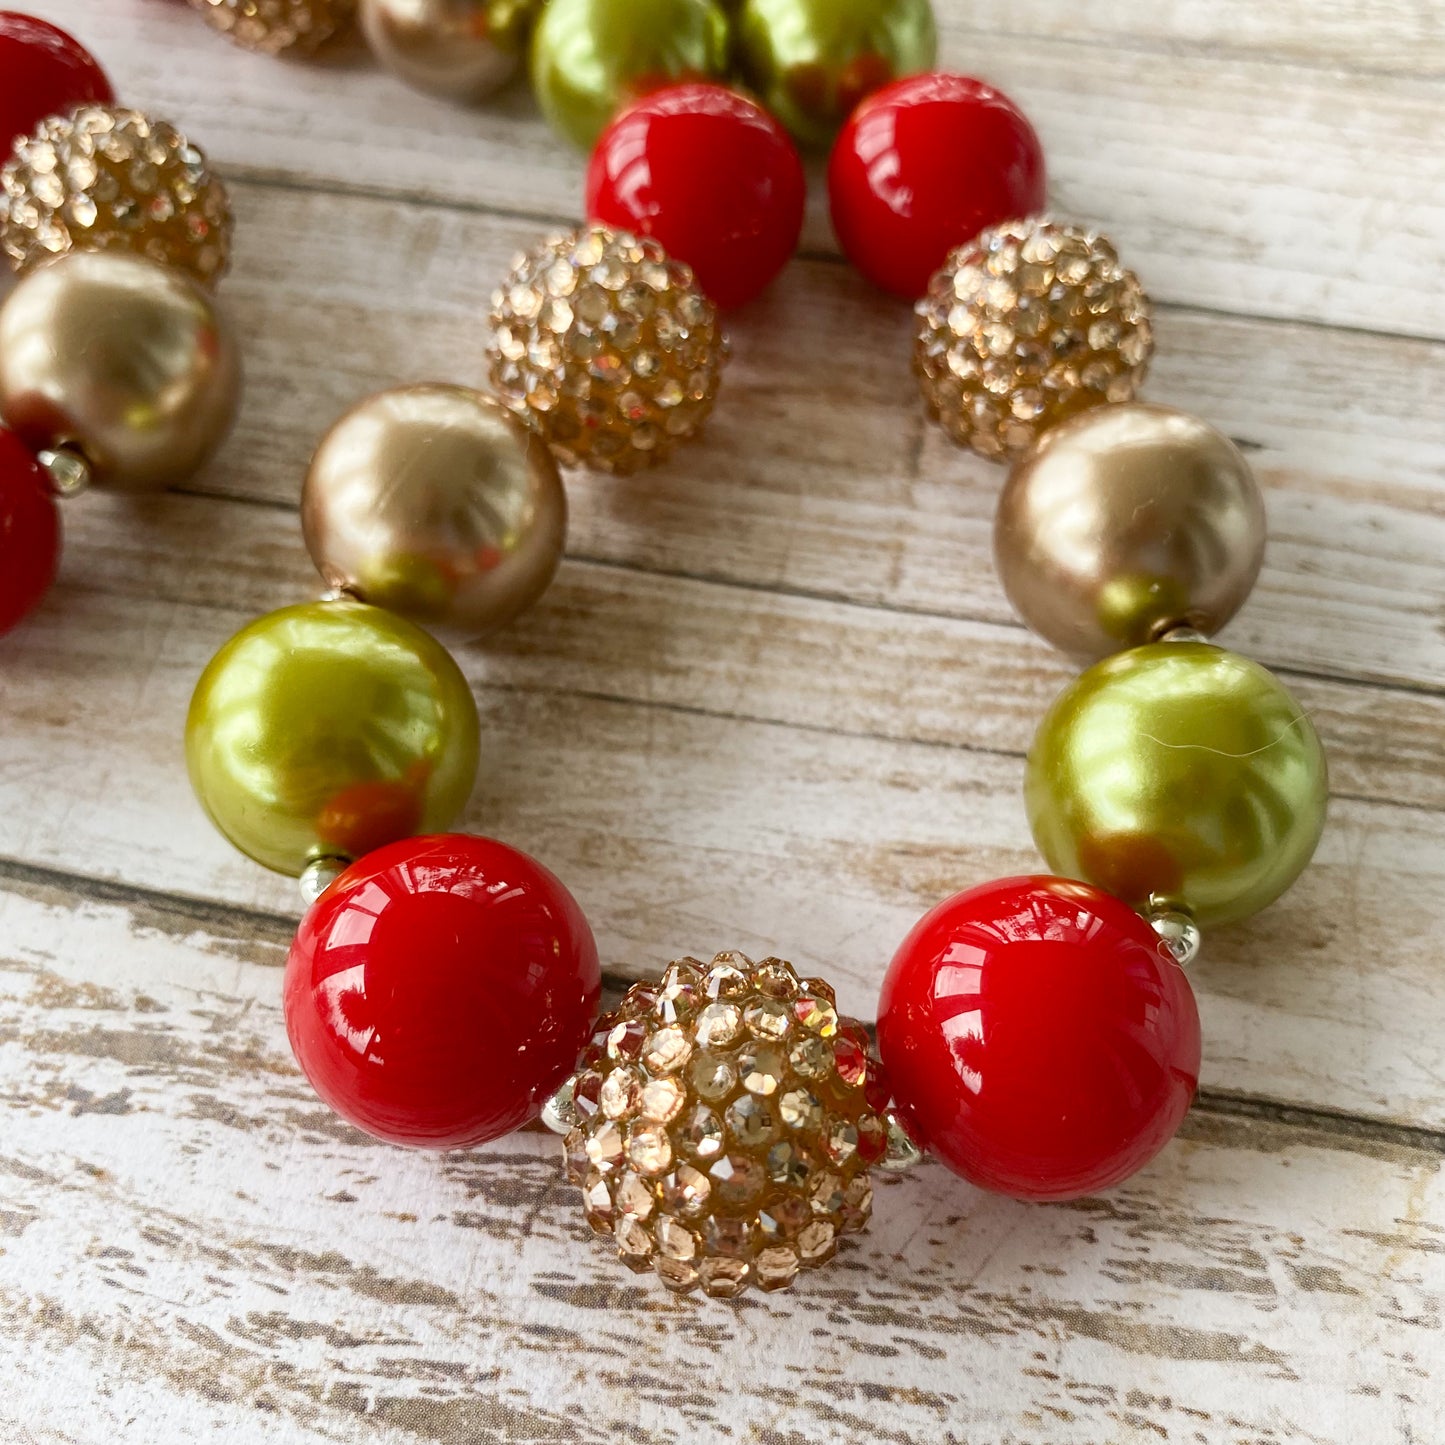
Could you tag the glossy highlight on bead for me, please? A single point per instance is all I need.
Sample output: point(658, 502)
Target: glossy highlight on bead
point(712, 176)
point(440, 991)
point(1039, 1037)
point(923, 166)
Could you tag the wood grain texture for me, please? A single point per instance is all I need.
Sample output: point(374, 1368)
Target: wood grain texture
point(296, 1277)
point(775, 701)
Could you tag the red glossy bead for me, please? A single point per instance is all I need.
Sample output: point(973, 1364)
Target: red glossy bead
point(712, 176)
point(441, 990)
point(925, 165)
point(29, 532)
point(43, 71)
point(1039, 1038)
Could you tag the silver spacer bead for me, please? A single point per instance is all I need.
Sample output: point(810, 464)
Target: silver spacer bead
point(559, 1113)
point(1178, 932)
point(1182, 634)
point(70, 473)
point(902, 1153)
point(319, 875)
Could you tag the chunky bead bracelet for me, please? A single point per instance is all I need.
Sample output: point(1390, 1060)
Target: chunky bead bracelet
point(1038, 1035)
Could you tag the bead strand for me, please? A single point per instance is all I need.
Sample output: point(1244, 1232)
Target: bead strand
point(1038, 1035)
point(116, 366)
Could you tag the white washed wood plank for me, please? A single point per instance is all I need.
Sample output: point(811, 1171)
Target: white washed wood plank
point(1402, 37)
point(1165, 148)
point(194, 1246)
point(686, 833)
point(818, 473)
point(732, 652)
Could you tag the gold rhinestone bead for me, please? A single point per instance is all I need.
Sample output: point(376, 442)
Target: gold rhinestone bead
point(597, 1203)
point(277, 26)
point(666, 1051)
point(685, 1192)
point(712, 1076)
point(1032, 322)
point(768, 1017)
point(634, 1243)
point(608, 347)
point(662, 1100)
point(621, 1094)
point(761, 1067)
point(724, 1134)
point(102, 178)
point(632, 1195)
point(776, 1267)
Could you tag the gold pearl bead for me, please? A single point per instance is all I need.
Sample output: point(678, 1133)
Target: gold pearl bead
point(459, 50)
point(277, 26)
point(609, 346)
point(328, 730)
point(101, 179)
point(1125, 522)
point(127, 362)
point(1180, 776)
point(438, 503)
point(1025, 326)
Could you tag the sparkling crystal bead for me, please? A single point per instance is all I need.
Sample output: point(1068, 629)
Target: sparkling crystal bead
point(277, 26)
point(607, 347)
point(1030, 323)
point(732, 1117)
point(105, 178)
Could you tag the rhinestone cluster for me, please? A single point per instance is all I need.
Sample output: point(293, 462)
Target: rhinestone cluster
point(274, 26)
point(102, 178)
point(1029, 324)
point(608, 346)
point(724, 1123)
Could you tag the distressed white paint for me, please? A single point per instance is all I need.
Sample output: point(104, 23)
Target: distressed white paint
point(775, 700)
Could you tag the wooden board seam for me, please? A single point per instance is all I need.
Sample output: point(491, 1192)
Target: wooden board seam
point(266, 178)
point(1341, 1127)
point(1128, 42)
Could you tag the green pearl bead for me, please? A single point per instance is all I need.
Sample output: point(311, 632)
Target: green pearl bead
point(1179, 772)
point(329, 729)
point(812, 61)
point(591, 57)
